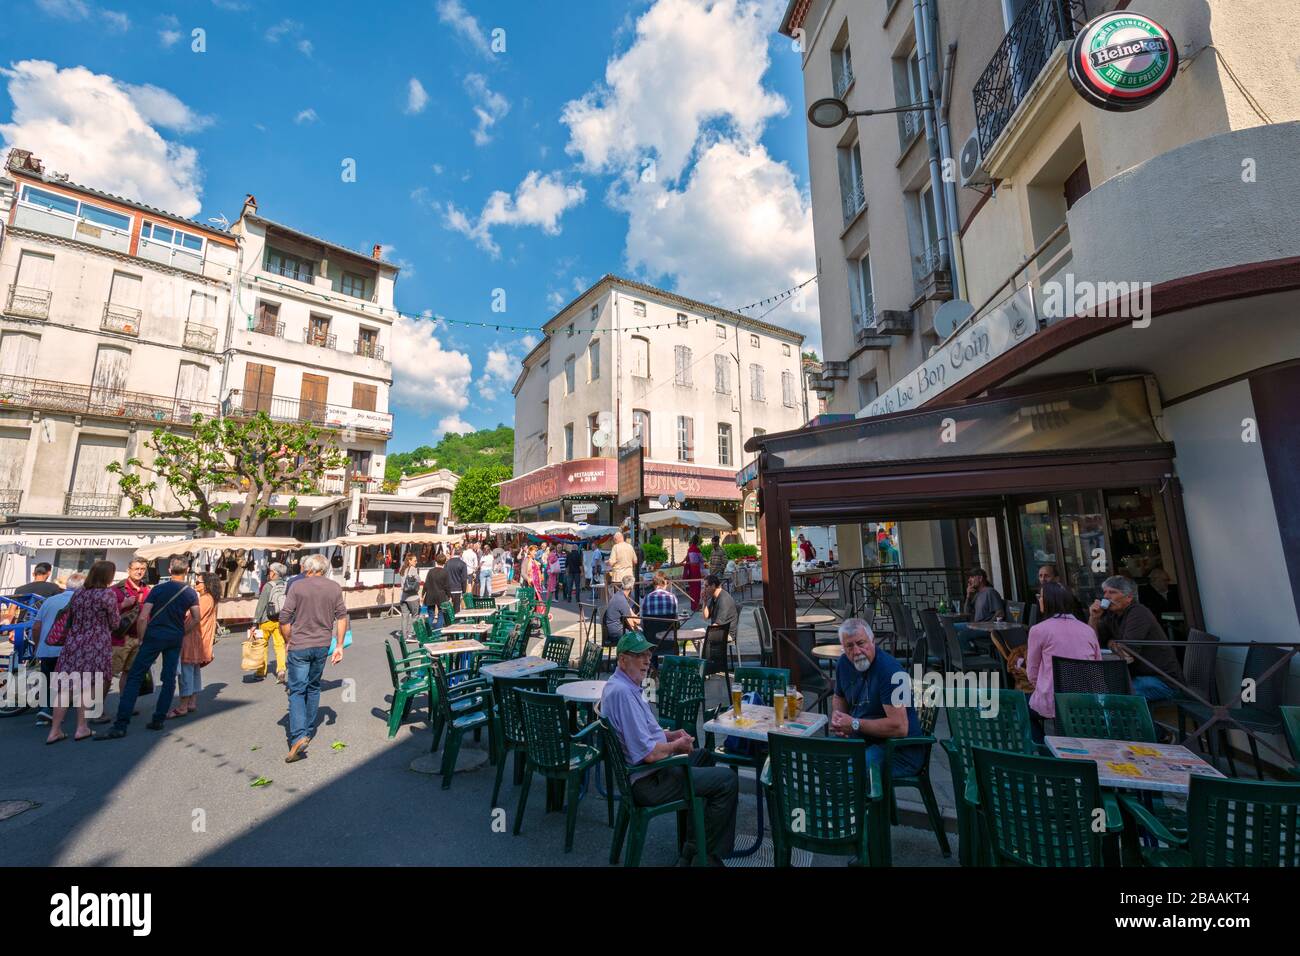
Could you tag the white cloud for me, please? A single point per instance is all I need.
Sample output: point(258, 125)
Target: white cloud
point(116, 21)
point(427, 378)
point(502, 366)
point(489, 107)
point(454, 14)
point(305, 116)
point(555, 299)
point(162, 108)
point(291, 30)
point(693, 62)
point(169, 38)
point(90, 126)
point(452, 425)
point(538, 201)
point(389, 254)
point(437, 169)
point(416, 97)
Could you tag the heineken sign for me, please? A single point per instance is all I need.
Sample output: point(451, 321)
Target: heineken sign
point(1122, 61)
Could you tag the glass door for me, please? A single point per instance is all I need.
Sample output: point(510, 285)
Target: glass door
point(1039, 542)
point(1086, 559)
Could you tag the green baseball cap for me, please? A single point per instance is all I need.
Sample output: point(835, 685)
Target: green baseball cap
point(633, 642)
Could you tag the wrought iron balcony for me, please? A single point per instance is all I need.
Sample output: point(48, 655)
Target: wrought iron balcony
point(203, 337)
point(267, 326)
point(245, 404)
point(855, 199)
point(1033, 37)
point(100, 400)
point(325, 340)
point(11, 500)
point(910, 126)
point(369, 348)
point(927, 262)
point(92, 505)
point(843, 79)
point(120, 318)
point(343, 484)
point(28, 303)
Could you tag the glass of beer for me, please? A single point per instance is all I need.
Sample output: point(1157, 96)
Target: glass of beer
point(778, 708)
point(792, 700)
point(735, 700)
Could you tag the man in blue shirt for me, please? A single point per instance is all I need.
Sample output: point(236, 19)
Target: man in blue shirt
point(873, 698)
point(645, 743)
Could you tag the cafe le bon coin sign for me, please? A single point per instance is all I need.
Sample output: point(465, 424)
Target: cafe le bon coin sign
point(1122, 61)
point(1000, 331)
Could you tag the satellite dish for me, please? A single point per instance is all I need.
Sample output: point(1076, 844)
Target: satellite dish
point(950, 315)
point(601, 438)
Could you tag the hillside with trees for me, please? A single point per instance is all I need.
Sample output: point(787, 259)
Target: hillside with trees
point(489, 448)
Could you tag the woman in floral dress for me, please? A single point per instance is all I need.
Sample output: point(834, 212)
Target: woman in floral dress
point(87, 656)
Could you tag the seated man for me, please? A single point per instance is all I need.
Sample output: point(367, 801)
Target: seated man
point(644, 743)
point(720, 606)
point(870, 702)
point(618, 615)
point(1123, 620)
point(658, 612)
point(983, 602)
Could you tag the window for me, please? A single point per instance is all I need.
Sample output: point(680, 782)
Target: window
point(754, 342)
point(682, 366)
point(18, 352)
point(851, 189)
point(685, 438)
point(724, 444)
point(593, 428)
point(291, 267)
point(681, 319)
point(171, 236)
point(568, 442)
point(862, 304)
point(259, 382)
point(787, 389)
point(785, 349)
point(756, 391)
point(842, 70)
point(1077, 185)
point(191, 384)
point(569, 367)
point(569, 330)
point(759, 431)
point(593, 361)
point(365, 397)
point(312, 397)
point(722, 374)
point(353, 285)
point(368, 343)
point(61, 203)
point(638, 310)
point(751, 520)
point(929, 232)
point(595, 314)
point(640, 357)
point(868, 390)
point(722, 331)
point(641, 428)
point(318, 331)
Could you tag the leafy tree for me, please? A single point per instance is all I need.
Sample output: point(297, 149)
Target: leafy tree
point(458, 453)
point(258, 456)
point(476, 498)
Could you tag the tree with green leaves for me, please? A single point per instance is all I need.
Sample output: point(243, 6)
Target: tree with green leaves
point(476, 498)
point(257, 456)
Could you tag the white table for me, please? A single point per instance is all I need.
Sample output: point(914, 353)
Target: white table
point(829, 651)
point(466, 629)
point(519, 667)
point(1166, 768)
point(439, 648)
point(757, 721)
point(471, 613)
point(582, 691)
point(815, 618)
point(503, 604)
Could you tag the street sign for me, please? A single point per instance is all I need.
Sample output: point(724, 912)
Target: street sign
point(356, 527)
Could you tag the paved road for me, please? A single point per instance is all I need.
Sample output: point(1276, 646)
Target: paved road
point(183, 795)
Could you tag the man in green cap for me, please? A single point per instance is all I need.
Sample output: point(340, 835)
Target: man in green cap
point(645, 743)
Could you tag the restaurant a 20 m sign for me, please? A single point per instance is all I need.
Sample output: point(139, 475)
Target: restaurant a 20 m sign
point(1122, 61)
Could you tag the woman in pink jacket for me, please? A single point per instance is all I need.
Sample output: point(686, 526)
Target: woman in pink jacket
point(1058, 633)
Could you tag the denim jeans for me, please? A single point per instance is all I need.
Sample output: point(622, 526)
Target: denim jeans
point(1152, 688)
point(485, 584)
point(305, 668)
point(150, 650)
point(191, 681)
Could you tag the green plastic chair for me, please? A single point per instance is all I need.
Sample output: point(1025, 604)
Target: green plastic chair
point(633, 819)
point(448, 614)
point(558, 650)
point(919, 781)
point(510, 720)
point(680, 693)
point(825, 799)
point(512, 648)
point(1291, 726)
point(463, 708)
point(1039, 811)
point(410, 676)
point(420, 627)
point(765, 680)
point(1104, 717)
point(555, 754)
point(1230, 823)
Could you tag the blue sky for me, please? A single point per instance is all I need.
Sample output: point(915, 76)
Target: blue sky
point(662, 140)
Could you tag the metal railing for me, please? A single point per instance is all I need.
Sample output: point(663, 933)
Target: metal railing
point(242, 404)
point(107, 401)
point(28, 303)
point(303, 275)
point(202, 337)
point(927, 262)
point(909, 127)
point(855, 199)
point(268, 327)
point(325, 340)
point(843, 79)
point(343, 484)
point(11, 500)
point(120, 318)
point(1020, 57)
point(92, 505)
point(369, 348)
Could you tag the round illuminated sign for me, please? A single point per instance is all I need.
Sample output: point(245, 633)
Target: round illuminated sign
point(1122, 61)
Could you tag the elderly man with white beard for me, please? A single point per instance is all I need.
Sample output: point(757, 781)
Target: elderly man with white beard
point(873, 698)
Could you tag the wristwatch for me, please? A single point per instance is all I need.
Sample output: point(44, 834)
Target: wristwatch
point(856, 724)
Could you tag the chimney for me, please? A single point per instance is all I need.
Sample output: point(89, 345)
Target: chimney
point(377, 252)
point(250, 206)
point(24, 161)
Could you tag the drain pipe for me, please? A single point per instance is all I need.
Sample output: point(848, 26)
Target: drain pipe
point(950, 182)
point(924, 56)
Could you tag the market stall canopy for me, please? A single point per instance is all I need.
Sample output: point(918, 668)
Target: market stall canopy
point(167, 549)
point(685, 519)
point(396, 537)
point(588, 532)
point(504, 527)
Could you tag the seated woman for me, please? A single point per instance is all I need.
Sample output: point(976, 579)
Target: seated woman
point(1058, 633)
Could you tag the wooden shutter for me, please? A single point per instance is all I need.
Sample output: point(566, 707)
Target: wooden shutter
point(364, 397)
point(259, 381)
point(35, 271)
point(690, 439)
point(18, 352)
point(314, 390)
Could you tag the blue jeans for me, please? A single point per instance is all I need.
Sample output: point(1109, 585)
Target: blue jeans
point(191, 681)
point(305, 668)
point(435, 617)
point(1152, 688)
point(485, 584)
point(907, 760)
point(170, 650)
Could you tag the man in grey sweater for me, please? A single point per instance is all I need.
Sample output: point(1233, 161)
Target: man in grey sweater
point(314, 612)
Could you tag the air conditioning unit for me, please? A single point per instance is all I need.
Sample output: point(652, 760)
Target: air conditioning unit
point(972, 168)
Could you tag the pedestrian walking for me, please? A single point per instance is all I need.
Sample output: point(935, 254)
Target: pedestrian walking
point(266, 623)
point(409, 603)
point(314, 612)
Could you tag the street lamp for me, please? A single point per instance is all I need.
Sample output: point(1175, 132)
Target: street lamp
point(830, 111)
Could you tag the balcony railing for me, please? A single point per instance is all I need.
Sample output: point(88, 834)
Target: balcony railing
point(120, 318)
point(910, 126)
point(1033, 37)
point(92, 505)
point(369, 348)
point(11, 500)
point(343, 484)
point(203, 337)
point(244, 404)
point(927, 262)
point(267, 327)
point(28, 303)
point(316, 337)
point(20, 392)
point(855, 199)
point(843, 79)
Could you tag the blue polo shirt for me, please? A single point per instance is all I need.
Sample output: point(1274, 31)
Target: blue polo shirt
point(866, 695)
point(622, 704)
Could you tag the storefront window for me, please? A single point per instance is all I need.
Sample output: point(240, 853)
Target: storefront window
point(1038, 540)
point(1083, 543)
point(71, 560)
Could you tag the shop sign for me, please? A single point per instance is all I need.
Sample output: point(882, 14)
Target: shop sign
point(583, 476)
point(54, 542)
point(712, 483)
point(339, 417)
point(1122, 61)
point(1000, 331)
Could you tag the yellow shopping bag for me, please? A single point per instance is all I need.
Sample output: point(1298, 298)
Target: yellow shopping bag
point(254, 656)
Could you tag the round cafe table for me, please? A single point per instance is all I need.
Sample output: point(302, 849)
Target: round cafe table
point(582, 691)
point(828, 655)
point(991, 626)
point(815, 618)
